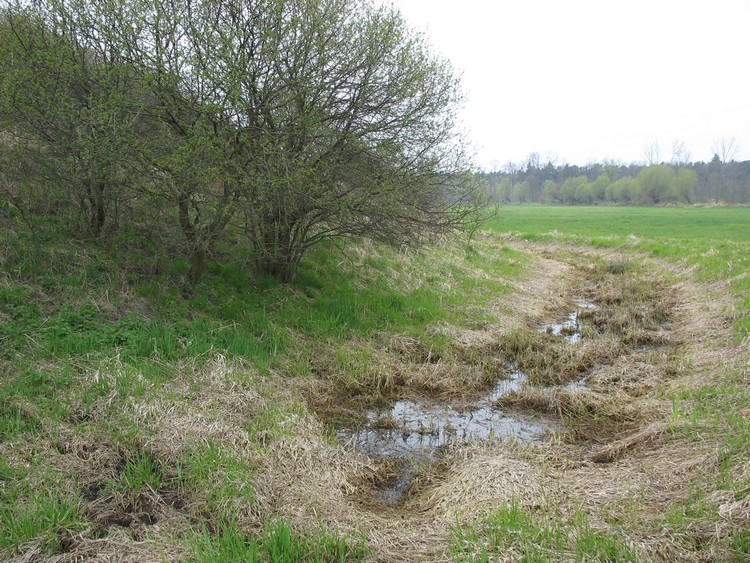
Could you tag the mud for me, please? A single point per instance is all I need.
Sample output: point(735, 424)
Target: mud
point(414, 432)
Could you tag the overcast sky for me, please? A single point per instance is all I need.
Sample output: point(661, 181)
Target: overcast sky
point(590, 80)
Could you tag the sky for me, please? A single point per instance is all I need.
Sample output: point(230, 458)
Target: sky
point(583, 81)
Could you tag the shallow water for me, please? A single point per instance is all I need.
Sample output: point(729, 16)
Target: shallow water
point(569, 327)
point(410, 428)
point(413, 431)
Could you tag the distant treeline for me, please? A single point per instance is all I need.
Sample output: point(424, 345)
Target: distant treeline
point(698, 182)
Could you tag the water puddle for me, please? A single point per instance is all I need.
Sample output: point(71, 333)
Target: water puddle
point(415, 428)
point(569, 327)
point(413, 432)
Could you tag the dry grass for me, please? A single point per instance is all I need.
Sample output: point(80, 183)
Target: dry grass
point(625, 458)
point(402, 365)
point(622, 461)
point(548, 360)
point(617, 449)
point(469, 482)
point(591, 417)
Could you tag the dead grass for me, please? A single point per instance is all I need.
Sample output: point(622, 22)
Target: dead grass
point(616, 449)
point(590, 416)
point(469, 482)
point(623, 460)
point(626, 459)
point(404, 365)
point(626, 462)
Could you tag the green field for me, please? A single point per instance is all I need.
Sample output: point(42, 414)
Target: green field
point(700, 224)
point(127, 401)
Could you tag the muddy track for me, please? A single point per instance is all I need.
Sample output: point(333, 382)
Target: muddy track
point(650, 331)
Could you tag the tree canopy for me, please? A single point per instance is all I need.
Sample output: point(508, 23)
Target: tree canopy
point(636, 184)
point(280, 123)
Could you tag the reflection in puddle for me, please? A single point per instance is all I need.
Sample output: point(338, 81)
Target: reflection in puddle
point(570, 327)
point(412, 432)
point(575, 385)
point(410, 428)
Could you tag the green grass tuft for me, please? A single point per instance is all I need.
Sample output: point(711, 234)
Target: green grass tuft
point(278, 544)
point(44, 517)
point(535, 537)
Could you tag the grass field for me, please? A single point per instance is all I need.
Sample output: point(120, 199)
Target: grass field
point(703, 224)
point(142, 422)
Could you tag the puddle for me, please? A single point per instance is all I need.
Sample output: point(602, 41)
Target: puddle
point(576, 385)
point(413, 432)
point(570, 327)
point(413, 428)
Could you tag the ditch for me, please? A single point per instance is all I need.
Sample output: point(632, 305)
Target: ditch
point(412, 433)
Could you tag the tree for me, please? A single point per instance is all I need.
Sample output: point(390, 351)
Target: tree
point(680, 153)
point(683, 185)
point(550, 159)
point(656, 183)
point(599, 187)
point(71, 114)
point(726, 149)
point(532, 161)
point(502, 192)
point(521, 193)
point(716, 175)
point(584, 193)
point(623, 190)
point(550, 192)
point(571, 187)
point(652, 153)
point(288, 122)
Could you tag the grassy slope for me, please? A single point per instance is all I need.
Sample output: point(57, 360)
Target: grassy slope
point(89, 334)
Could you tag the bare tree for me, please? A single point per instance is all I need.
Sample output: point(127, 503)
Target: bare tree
point(533, 160)
point(652, 153)
point(680, 153)
point(511, 168)
point(550, 159)
point(726, 149)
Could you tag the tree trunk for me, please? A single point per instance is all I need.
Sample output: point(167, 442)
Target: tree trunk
point(277, 252)
point(281, 269)
point(97, 208)
point(198, 261)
